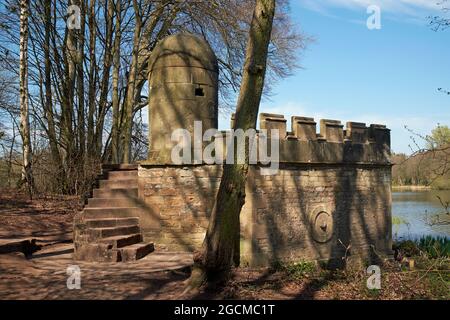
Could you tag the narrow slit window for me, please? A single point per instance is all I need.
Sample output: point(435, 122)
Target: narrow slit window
point(199, 92)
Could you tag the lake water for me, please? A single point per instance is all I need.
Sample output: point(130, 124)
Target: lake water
point(413, 208)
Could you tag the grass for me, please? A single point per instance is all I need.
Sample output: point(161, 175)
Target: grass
point(434, 247)
point(297, 270)
point(428, 279)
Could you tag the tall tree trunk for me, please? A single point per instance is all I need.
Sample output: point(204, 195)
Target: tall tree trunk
point(104, 86)
point(48, 104)
point(92, 79)
point(130, 98)
point(67, 105)
point(27, 174)
point(115, 87)
point(80, 85)
point(221, 244)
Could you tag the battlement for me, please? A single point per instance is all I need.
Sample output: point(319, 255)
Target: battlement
point(356, 143)
point(305, 129)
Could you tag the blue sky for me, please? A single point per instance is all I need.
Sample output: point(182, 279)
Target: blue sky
point(350, 73)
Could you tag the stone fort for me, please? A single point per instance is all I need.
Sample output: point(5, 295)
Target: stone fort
point(331, 197)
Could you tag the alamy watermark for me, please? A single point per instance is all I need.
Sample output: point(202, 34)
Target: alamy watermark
point(374, 20)
point(234, 141)
point(74, 17)
point(74, 279)
point(374, 280)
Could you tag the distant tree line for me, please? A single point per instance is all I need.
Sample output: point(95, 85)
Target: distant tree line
point(427, 166)
point(73, 98)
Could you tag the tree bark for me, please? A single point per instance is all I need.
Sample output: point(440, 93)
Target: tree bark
point(27, 174)
point(221, 245)
point(130, 97)
point(92, 79)
point(80, 86)
point(115, 87)
point(48, 104)
point(104, 86)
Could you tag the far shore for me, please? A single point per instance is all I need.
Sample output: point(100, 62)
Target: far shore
point(417, 188)
point(411, 187)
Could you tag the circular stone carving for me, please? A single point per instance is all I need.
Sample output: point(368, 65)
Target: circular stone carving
point(321, 226)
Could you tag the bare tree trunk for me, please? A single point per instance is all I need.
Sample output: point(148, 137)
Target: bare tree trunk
point(104, 86)
point(92, 77)
point(115, 87)
point(67, 106)
point(11, 151)
point(221, 244)
point(27, 174)
point(80, 84)
point(48, 104)
point(130, 98)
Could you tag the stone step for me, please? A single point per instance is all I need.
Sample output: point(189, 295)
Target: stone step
point(111, 222)
point(120, 175)
point(96, 213)
point(112, 202)
point(97, 252)
point(136, 251)
point(121, 166)
point(118, 184)
point(122, 241)
point(116, 193)
point(98, 233)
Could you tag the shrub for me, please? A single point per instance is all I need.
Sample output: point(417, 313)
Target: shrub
point(435, 247)
point(296, 270)
point(406, 248)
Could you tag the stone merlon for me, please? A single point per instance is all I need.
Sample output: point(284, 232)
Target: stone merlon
point(356, 144)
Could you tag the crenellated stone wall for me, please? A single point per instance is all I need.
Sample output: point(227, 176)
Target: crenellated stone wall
point(332, 191)
point(328, 197)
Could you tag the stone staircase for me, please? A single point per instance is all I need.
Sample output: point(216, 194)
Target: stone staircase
point(107, 230)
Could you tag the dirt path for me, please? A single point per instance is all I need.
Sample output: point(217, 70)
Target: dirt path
point(162, 275)
point(44, 276)
point(45, 216)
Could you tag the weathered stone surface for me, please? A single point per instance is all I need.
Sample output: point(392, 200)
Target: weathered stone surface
point(269, 121)
point(183, 79)
point(283, 214)
point(304, 128)
point(331, 130)
point(332, 190)
point(136, 251)
point(108, 229)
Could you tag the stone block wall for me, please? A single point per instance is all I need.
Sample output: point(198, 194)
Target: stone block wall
point(177, 201)
point(278, 218)
point(332, 192)
point(284, 211)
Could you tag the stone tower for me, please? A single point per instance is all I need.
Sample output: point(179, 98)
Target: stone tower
point(183, 79)
point(332, 188)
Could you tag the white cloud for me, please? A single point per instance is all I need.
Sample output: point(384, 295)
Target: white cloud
point(412, 8)
point(400, 136)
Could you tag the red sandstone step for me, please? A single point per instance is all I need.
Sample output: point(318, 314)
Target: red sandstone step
point(111, 222)
point(97, 213)
point(120, 175)
point(96, 233)
point(112, 203)
point(118, 184)
point(120, 166)
point(136, 251)
point(122, 241)
point(116, 193)
point(98, 252)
